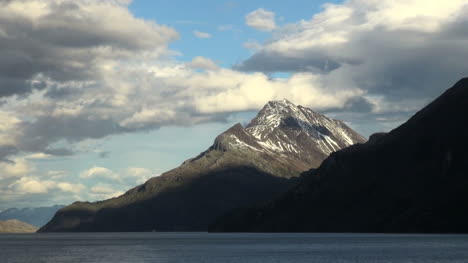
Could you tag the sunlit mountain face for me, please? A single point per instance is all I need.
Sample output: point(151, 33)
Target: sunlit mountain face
point(244, 165)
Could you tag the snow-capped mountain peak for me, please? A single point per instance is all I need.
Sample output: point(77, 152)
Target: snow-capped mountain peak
point(273, 112)
point(286, 130)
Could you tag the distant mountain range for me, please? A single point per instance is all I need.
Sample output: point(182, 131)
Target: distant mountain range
point(244, 165)
point(16, 226)
point(37, 216)
point(411, 180)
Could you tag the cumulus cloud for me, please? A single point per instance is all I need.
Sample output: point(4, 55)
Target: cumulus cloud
point(8, 126)
point(361, 56)
point(202, 63)
point(200, 34)
point(232, 91)
point(97, 171)
point(70, 41)
point(147, 97)
point(29, 185)
point(17, 167)
point(34, 185)
point(39, 189)
point(64, 48)
point(395, 51)
point(261, 19)
point(98, 76)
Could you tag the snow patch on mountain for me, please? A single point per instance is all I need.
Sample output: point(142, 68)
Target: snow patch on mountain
point(282, 127)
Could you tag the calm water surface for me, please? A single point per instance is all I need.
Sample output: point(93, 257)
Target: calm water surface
point(204, 247)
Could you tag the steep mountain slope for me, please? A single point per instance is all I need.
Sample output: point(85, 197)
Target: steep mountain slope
point(36, 216)
point(16, 226)
point(413, 179)
point(284, 129)
point(243, 165)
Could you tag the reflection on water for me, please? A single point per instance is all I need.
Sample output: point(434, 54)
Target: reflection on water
point(204, 247)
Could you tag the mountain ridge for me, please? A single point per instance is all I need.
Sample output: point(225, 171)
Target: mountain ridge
point(36, 216)
point(410, 180)
point(16, 226)
point(241, 166)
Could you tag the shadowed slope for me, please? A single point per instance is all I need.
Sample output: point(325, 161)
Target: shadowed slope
point(413, 179)
point(189, 204)
point(244, 165)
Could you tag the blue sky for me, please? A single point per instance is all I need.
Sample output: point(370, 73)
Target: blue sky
point(224, 20)
point(98, 96)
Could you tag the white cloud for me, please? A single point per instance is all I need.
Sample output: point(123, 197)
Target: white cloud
point(341, 24)
point(132, 85)
point(18, 167)
point(147, 96)
point(261, 19)
point(77, 46)
point(71, 188)
point(402, 52)
point(8, 126)
point(231, 91)
point(71, 40)
point(97, 171)
point(418, 15)
point(202, 63)
point(35, 185)
point(200, 34)
point(29, 185)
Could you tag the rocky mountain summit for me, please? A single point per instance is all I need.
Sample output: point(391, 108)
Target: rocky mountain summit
point(244, 165)
point(283, 140)
point(291, 133)
point(413, 179)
